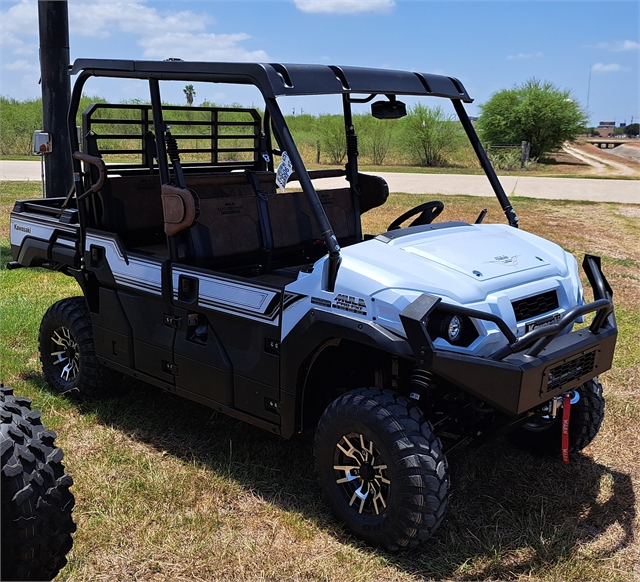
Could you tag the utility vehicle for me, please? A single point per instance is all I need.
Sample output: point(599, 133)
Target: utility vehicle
point(271, 305)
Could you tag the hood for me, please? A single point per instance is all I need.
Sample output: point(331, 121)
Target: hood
point(479, 254)
point(465, 262)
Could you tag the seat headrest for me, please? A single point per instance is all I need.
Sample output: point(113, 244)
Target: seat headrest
point(179, 208)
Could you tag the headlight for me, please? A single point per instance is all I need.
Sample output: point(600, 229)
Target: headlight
point(453, 327)
point(458, 330)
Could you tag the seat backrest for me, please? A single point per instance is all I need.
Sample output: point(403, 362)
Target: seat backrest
point(374, 192)
point(229, 221)
point(131, 207)
point(229, 224)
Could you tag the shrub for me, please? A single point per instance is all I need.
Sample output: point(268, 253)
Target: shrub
point(430, 135)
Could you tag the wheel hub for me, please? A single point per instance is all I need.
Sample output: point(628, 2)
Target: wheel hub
point(65, 353)
point(367, 472)
point(362, 474)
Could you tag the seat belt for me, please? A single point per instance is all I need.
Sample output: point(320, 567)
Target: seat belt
point(195, 235)
point(265, 221)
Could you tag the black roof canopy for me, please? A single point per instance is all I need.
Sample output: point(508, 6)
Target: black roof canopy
point(277, 80)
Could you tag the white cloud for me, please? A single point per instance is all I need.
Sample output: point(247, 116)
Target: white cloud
point(344, 6)
point(161, 34)
point(18, 21)
point(602, 68)
point(200, 47)
point(20, 65)
point(99, 19)
point(521, 56)
point(619, 46)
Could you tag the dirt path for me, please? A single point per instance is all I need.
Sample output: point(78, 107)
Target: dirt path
point(601, 165)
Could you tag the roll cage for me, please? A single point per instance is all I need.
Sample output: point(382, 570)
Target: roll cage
point(277, 80)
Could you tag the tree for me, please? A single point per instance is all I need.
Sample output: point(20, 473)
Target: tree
point(190, 93)
point(375, 137)
point(537, 112)
point(632, 130)
point(430, 135)
point(332, 137)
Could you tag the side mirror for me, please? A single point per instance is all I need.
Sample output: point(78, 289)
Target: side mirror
point(388, 109)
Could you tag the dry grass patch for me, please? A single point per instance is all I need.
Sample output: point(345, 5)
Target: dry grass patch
point(170, 490)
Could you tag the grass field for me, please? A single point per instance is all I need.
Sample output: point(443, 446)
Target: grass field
point(169, 490)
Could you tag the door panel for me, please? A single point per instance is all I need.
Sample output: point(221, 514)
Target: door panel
point(234, 351)
point(152, 338)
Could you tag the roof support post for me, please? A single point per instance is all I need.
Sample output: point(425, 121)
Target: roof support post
point(352, 162)
point(509, 212)
point(287, 143)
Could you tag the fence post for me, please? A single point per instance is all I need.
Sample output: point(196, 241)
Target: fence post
point(526, 149)
point(317, 152)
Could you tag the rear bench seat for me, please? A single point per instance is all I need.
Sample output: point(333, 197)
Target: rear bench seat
point(131, 207)
point(229, 222)
point(227, 234)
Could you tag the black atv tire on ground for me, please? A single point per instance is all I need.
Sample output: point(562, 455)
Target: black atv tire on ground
point(399, 461)
point(67, 352)
point(36, 501)
point(545, 437)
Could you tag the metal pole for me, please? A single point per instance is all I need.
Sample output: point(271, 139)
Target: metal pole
point(42, 174)
point(53, 19)
point(485, 163)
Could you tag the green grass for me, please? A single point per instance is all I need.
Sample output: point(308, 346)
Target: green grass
point(170, 490)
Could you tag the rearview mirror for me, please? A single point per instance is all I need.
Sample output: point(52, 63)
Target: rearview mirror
point(388, 109)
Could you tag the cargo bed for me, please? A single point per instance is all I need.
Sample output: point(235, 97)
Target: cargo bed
point(42, 233)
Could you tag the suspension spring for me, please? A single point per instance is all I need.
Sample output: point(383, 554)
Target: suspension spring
point(420, 381)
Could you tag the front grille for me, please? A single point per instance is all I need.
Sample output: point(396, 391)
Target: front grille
point(535, 305)
point(571, 370)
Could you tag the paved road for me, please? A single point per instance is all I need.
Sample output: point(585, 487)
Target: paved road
point(625, 191)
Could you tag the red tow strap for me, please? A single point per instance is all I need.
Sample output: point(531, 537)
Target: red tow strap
point(566, 413)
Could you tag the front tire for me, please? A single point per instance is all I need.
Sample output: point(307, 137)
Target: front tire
point(36, 501)
point(381, 468)
point(544, 436)
point(67, 352)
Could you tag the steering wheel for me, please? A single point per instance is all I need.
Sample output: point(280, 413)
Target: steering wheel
point(428, 212)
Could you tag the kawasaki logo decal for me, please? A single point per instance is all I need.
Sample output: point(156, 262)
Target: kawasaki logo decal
point(505, 260)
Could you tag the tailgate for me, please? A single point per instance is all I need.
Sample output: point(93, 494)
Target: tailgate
point(41, 232)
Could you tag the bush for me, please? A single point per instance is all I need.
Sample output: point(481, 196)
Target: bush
point(537, 112)
point(18, 121)
point(375, 137)
point(505, 159)
point(332, 137)
point(430, 135)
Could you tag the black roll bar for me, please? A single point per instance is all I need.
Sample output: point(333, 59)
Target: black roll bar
point(509, 212)
point(307, 186)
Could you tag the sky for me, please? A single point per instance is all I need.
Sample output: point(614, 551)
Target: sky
point(589, 47)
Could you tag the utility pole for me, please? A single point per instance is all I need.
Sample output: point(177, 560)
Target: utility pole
point(53, 20)
point(589, 90)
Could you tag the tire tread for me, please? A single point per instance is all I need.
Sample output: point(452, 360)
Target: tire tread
point(417, 456)
point(36, 500)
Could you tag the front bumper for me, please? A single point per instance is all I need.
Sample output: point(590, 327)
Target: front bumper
point(528, 371)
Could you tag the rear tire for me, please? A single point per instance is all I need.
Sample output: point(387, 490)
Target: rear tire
point(67, 352)
point(545, 437)
point(391, 489)
point(36, 501)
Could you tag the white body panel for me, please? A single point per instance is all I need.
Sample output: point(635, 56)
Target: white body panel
point(23, 226)
point(483, 267)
